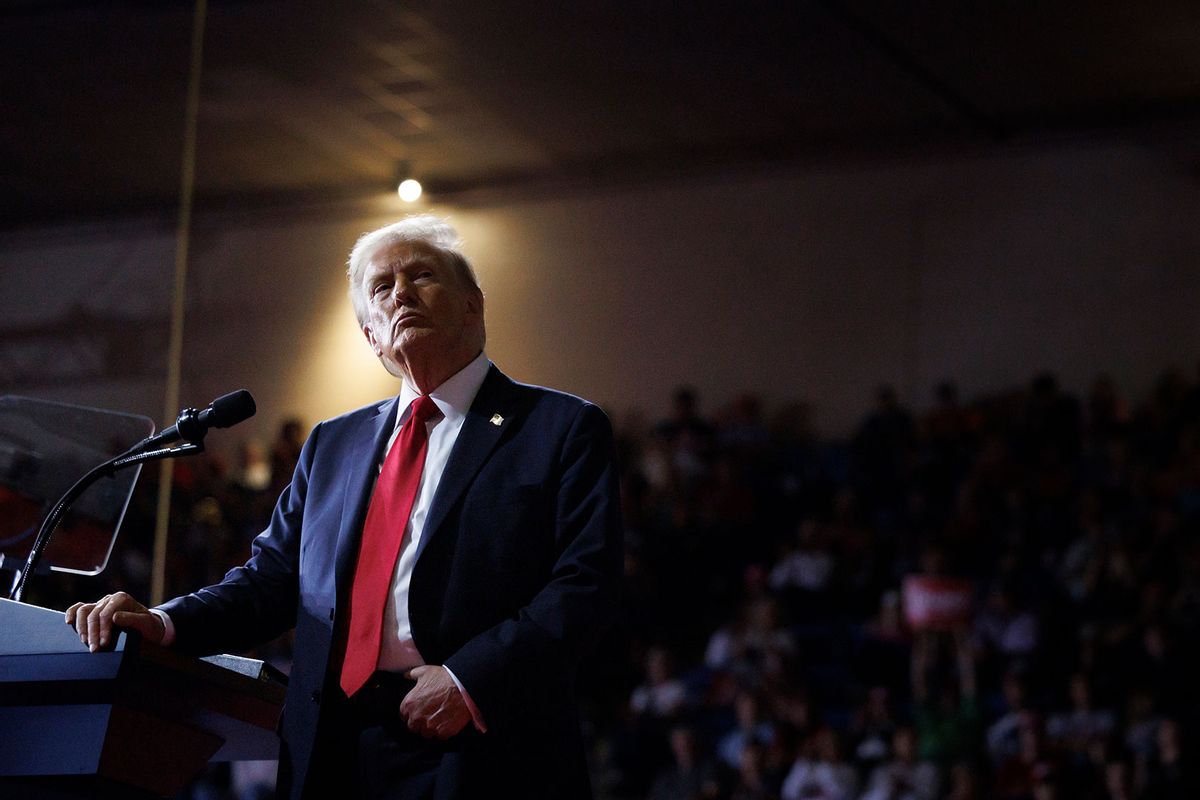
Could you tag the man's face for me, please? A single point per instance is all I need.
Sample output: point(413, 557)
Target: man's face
point(417, 307)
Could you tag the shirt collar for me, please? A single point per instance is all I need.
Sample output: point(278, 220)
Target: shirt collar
point(455, 395)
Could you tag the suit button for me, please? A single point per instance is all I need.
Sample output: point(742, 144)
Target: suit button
point(316, 696)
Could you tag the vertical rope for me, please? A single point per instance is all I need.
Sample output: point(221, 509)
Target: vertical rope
point(183, 232)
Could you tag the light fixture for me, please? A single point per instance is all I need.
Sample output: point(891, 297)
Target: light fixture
point(409, 190)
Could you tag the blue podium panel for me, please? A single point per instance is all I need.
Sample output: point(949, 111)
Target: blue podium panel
point(52, 740)
point(139, 716)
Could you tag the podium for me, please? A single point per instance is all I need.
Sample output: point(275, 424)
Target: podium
point(137, 721)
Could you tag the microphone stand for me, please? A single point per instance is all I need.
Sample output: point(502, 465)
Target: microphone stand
point(127, 459)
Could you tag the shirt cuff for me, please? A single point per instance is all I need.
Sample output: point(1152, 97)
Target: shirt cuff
point(169, 629)
point(475, 715)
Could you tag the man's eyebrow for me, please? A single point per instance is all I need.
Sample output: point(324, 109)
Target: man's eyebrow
point(414, 260)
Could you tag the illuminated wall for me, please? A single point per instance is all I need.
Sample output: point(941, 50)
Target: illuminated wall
point(814, 284)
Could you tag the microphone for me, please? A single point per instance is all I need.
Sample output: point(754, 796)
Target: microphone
point(191, 425)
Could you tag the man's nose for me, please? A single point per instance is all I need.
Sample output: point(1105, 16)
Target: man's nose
point(402, 292)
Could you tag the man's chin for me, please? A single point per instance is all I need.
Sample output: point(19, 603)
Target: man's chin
point(393, 368)
point(415, 342)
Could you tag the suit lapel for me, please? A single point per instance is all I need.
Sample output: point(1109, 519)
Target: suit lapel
point(364, 452)
point(490, 414)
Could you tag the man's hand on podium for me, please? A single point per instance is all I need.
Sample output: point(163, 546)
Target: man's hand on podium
point(94, 621)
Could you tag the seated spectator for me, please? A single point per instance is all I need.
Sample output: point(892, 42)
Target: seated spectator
point(690, 777)
point(751, 728)
point(655, 468)
point(1052, 419)
point(753, 647)
point(1118, 780)
point(642, 749)
point(882, 451)
point(791, 708)
point(884, 651)
point(803, 575)
point(1076, 729)
point(689, 438)
point(862, 569)
point(963, 783)
point(1017, 775)
point(821, 772)
point(903, 777)
point(730, 504)
point(1168, 775)
point(1005, 628)
point(872, 729)
point(1107, 412)
point(947, 424)
point(253, 472)
point(945, 457)
point(741, 429)
point(1079, 567)
point(1003, 736)
point(662, 694)
point(753, 779)
point(285, 453)
point(1045, 785)
point(1084, 777)
point(1141, 723)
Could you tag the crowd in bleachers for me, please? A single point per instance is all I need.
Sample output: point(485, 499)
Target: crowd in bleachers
point(769, 646)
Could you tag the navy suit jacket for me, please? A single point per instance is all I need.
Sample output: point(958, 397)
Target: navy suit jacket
point(518, 575)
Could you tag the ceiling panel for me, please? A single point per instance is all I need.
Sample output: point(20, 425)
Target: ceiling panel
point(299, 97)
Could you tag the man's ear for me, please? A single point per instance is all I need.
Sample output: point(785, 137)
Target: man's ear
point(366, 329)
point(475, 302)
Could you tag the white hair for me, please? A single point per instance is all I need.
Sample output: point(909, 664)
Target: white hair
point(423, 228)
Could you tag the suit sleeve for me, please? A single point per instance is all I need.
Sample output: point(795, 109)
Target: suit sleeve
point(257, 601)
point(535, 654)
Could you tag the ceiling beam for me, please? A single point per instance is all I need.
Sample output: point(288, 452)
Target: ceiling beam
point(903, 60)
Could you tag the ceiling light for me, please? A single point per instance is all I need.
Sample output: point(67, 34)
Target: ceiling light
point(409, 190)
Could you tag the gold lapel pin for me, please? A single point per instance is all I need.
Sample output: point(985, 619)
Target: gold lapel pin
point(497, 419)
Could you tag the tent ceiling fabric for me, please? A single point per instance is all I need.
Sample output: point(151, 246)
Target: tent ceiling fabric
point(317, 99)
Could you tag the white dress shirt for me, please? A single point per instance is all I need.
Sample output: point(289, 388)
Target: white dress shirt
point(453, 399)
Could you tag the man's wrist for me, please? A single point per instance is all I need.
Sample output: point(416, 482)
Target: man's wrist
point(168, 637)
point(476, 716)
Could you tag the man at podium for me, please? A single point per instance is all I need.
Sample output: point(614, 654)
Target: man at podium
point(445, 556)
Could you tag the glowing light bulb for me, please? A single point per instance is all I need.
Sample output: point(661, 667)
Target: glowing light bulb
point(409, 190)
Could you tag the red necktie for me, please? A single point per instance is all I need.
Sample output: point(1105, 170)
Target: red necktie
point(383, 532)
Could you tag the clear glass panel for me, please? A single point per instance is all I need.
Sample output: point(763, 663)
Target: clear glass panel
point(44, 448)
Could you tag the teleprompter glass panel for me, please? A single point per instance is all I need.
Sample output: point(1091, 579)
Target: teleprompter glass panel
point(44, 448)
